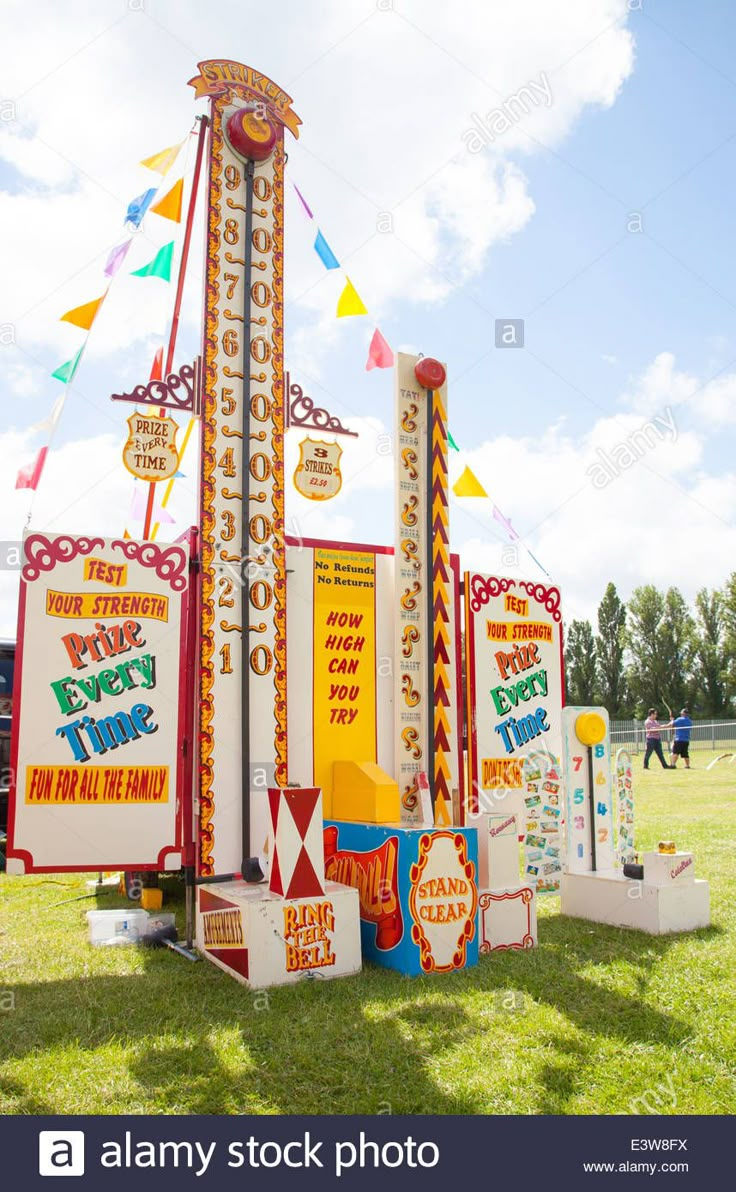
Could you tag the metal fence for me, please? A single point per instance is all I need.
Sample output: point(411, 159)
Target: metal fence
point(706, 734)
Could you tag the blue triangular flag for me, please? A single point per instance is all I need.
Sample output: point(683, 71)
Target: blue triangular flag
point(325, 253)
point(137, 208)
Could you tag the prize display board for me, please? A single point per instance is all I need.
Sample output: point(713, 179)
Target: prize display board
point(101, 715)
point(340, 691)
point(243, 579)
point(591, 842)
point(543, 837)
point(513, 653)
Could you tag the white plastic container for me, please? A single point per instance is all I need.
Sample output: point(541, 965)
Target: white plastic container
point(116, 927)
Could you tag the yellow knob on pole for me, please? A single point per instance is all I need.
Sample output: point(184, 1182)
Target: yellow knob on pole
point(590, 728)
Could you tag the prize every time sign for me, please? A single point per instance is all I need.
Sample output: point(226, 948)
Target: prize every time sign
point(99, 719)
point(513, 644)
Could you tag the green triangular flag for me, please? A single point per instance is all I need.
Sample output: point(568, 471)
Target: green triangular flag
point(452, 442)
point(65, 372)
point(160, 266)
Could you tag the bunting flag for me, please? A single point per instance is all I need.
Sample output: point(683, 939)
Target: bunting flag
point(157, 366)
point(162, 161)
point(65, 372)
point(380, 354)
point(50, 422)
point(83, 316)
point(325, 253)
point(452, 442)
point(350, 302)
point(137, 208)
point(303, 201)
point(138, 509)
point(160, 266)
point(29, 476)
point(468, 485)
point(116, 257)
point(170, 205)
point(499, 517)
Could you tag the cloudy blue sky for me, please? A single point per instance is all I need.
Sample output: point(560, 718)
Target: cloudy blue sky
point(602, 216)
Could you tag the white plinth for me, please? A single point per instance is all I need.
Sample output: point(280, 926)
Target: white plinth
point(609, 897)
point(264, 940)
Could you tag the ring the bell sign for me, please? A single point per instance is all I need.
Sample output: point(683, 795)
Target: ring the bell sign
point(243, 572)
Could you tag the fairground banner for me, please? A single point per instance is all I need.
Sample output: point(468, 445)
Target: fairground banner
point(513, 649)
point(100, 715)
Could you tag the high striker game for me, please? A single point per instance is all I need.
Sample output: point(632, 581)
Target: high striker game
point(320, 804)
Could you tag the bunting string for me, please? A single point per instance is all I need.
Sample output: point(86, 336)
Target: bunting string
point(380, 355)
point(84, 316)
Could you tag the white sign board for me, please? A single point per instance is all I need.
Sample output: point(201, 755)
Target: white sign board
point(513, 649)
point(100, 722)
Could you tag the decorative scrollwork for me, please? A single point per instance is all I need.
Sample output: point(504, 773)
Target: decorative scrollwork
point(180, 391)
point(302, 412)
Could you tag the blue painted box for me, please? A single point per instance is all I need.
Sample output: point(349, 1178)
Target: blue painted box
point(418, 892)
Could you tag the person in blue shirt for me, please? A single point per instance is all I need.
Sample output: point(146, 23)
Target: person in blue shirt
point(682, 725)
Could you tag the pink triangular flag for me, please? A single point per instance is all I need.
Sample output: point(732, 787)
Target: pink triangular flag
point(139, 505)
point(303, 201)
point(380, 354)
point(29, 476)
point(499, 517)
point(116, 258)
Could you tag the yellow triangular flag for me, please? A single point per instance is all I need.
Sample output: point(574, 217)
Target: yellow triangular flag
point(163, 161)
point(468, 485)
point(170, 205)
point(350, 302)
point(83, 316)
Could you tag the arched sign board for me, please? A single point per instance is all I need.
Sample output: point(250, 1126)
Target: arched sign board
point(98, 779)
point(513, 653)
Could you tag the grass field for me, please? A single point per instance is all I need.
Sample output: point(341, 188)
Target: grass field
point(592, 1021)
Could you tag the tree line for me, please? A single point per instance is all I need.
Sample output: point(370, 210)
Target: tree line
point(655, 650)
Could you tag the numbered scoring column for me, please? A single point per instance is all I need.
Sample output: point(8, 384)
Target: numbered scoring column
point(579, 830)
point(246, 348)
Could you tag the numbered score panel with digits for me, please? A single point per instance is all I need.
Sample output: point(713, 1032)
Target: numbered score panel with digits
point(513, 649)
point(98, 774)
point(591, 828)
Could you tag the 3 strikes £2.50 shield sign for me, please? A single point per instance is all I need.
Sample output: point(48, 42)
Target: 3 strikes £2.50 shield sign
point(318, 474)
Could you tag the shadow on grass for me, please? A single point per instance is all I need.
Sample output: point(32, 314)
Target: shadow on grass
point(195, 1041)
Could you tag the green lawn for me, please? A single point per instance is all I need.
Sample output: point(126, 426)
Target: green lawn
point(591, 1020)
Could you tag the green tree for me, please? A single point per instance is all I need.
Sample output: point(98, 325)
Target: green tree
point(710, 654)
point(728, 610)
point(610, 644)
point(647, 673)
point(580, 668)
point(677, 646)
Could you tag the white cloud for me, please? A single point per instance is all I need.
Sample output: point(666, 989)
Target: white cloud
point(664, 519)
point(384, 94)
